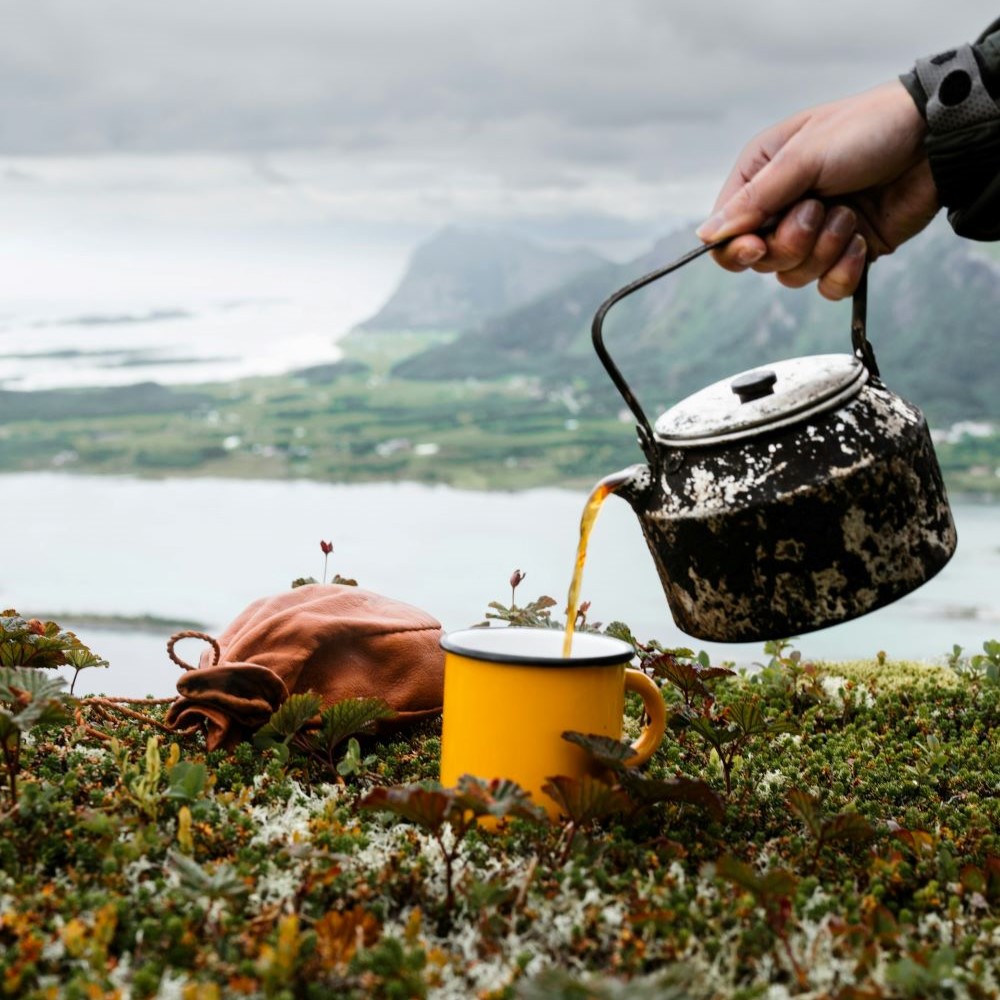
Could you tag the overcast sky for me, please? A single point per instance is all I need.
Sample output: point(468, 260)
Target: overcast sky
point(435, 110)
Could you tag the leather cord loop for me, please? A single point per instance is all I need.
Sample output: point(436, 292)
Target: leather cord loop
point(172, 641)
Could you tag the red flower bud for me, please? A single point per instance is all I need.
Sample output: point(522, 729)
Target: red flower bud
point(515, 578)
point(327, 547)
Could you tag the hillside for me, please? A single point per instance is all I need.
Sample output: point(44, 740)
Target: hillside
point(460, 277)
point(934, 309)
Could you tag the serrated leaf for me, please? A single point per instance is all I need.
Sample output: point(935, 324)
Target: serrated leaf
point(806, 808)
point(777, 883)
point(716, 733)
point(430, 808)
point(25, 642)
point(83, 658)
point(681, 674)
point(765, 888)
point(586, 799)
point(782, 725)
point(34, 698)
point(499, 797)
point(737, 872)
point(607, 751)
point(294, 714)
point(748, 716)
point(619, 630)
point(31, 682)
point(689, 791)
point(350, 716)
point(920, 842)
point(714, 673)
point(847, 826)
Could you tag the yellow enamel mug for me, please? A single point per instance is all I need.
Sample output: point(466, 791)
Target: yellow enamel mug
point(509, 695)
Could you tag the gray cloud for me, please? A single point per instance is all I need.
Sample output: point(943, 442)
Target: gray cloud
point(190, 75)
point(420, 112)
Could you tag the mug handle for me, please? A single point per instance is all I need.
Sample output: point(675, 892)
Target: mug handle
point(644, 686)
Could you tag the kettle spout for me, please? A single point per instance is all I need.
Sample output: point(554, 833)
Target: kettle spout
point(631, 484)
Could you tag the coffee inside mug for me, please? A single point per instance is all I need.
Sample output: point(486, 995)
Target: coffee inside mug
point(509, 695)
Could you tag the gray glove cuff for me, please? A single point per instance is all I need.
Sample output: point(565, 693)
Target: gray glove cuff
point(956, 95)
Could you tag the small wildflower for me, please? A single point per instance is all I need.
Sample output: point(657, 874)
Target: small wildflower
point(326, 548)
point(515, 581)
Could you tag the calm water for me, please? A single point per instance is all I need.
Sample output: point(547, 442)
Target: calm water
point(203, 549)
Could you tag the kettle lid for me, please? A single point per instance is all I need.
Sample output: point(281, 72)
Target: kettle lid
point(762, 399)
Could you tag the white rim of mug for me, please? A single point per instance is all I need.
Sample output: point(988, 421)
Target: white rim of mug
point(452, 643)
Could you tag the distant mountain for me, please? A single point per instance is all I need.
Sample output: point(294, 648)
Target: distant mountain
point(933, 318)
point(460, 277)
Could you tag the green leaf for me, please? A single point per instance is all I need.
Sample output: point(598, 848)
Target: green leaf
point(775, 884)
point(351, 762)
point(681, 674)
point(37, 644)
point(223, 883)
point(619, 630)
point(848, 826)
point(748, 716)
point(586, 799)
point(186, 781)
point(689, 791)
point(350, 716)
point(83, 658)
point(35, 698)
point(10, 731)
point(805, 807)
point(717, 734)
point(296, 712)
point(844, 826)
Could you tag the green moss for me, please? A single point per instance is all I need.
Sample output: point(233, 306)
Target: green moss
point(857, 855)
point(893, 675)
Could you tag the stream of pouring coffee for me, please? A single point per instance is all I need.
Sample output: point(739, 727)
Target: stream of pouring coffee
point(592, 508)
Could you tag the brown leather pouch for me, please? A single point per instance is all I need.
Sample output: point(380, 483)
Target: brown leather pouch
point(339, 641)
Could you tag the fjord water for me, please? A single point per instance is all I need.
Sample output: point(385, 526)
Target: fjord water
point(203, 549)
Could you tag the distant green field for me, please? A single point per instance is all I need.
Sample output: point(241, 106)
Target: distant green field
point(352, 422)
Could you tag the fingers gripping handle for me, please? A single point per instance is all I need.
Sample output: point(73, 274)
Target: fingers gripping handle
point(644, 686)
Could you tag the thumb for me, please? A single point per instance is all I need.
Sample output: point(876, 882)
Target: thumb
point(773, 188)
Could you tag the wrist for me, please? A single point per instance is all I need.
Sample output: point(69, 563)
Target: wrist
point(962, 120)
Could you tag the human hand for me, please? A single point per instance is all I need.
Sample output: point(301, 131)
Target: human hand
point(845, 181)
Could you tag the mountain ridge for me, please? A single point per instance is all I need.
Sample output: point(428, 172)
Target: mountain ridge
point(933, 313)
point(461, 277)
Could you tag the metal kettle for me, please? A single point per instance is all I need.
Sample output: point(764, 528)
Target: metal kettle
point(786, 498)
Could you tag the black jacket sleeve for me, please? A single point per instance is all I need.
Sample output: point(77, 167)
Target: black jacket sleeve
point(958, 92)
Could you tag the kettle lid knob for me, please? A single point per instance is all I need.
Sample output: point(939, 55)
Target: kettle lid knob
point(754, 385)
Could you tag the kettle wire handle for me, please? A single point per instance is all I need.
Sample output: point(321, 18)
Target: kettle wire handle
point(859, 340)
point(859, 319)
point(597, 336)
